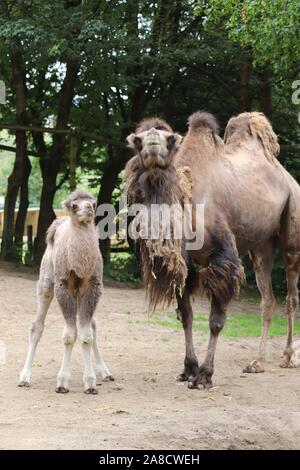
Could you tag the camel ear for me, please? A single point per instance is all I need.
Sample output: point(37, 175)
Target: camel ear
point(134, 142)
point(69, 205)
point(178, 140)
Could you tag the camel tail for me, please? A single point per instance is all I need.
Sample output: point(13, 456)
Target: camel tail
point(202, 119)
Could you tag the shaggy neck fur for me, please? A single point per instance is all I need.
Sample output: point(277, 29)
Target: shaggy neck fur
point(164, 267)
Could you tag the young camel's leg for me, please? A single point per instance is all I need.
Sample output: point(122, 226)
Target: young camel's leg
point(262, 259)
point(44, 298)
point(87, 304)
point(292, 265)
point(100, 364)
point(68, 305)
point(185, 315)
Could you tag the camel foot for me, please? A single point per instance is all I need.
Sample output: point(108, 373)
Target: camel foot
point(256, 367)
point(109, 378)
point(62, 390)
point(24, 383)
point(190, 370)
point(91, 391)
point(202, 380)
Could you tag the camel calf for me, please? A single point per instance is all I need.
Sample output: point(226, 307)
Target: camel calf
point(71, 269)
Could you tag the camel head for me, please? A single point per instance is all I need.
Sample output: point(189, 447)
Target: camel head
point(81, 206)
point(155, 143)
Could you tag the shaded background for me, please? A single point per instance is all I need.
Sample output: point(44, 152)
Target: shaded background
point(92, 69)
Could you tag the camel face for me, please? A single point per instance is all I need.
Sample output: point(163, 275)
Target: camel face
point(155, 146)
point(82, 207)
point(84, 211)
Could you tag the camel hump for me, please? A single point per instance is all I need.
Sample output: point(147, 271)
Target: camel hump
point(53, 227)
point(256, 125)
point(203, 119)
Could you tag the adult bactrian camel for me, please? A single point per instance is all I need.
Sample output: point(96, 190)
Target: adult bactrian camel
point(249, 201)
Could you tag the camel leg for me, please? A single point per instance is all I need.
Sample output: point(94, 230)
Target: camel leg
point(68, 305)
point(100, 364)
point(69, 338)
point(216, 323)
point(262, 264)
point(292, 301)
point(185, 315)
point(44, 298)
point(87, 305)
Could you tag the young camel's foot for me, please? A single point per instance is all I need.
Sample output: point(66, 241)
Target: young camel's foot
point(91, 391)
point(24, 383)
point(191, 369)
point(203, 379)
point(62, 389)
point(24, 379)
point(255, 367)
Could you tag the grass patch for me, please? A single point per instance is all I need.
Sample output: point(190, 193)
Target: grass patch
point(237, 326)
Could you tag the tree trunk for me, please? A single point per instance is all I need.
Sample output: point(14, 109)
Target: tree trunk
point(47, 214)
point(245, 91)
point(50, 161)
point(23, 206)
point(18, 81)
point(265, 92)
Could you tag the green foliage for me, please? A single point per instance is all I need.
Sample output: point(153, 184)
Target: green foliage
point(237, 325)
point(270, 28)
point(122, 267)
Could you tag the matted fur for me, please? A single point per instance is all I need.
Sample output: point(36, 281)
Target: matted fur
point(257, 126)
point(164, 267)
point(222, 278)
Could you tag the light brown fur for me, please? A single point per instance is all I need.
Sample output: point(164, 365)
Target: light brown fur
point(71, 268)
point(250, 200)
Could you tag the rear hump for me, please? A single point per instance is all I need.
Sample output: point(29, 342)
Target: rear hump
point(52, 229)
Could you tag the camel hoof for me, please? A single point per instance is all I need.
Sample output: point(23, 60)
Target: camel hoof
point(182, 377)
point(91, 391)
point(109, 378)
point(24, 383)
point(202, 381)
point(254, 368)
point(62, 390)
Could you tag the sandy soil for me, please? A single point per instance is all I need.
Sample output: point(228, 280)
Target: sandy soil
point(145, 407)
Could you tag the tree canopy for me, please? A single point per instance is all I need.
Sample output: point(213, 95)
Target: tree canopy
point(100, 66)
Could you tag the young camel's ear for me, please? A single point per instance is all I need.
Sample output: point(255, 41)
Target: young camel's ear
point(174, 141)
point(134, 142)
point(70, 206)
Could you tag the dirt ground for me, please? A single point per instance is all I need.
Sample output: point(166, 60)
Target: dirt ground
point(145, 408)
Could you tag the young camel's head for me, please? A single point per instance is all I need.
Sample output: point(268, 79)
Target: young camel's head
point(81, 206)
point(155, 143)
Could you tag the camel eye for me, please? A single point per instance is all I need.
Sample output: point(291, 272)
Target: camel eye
point(171, 141)
point(138, 143)
point(74, 206)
